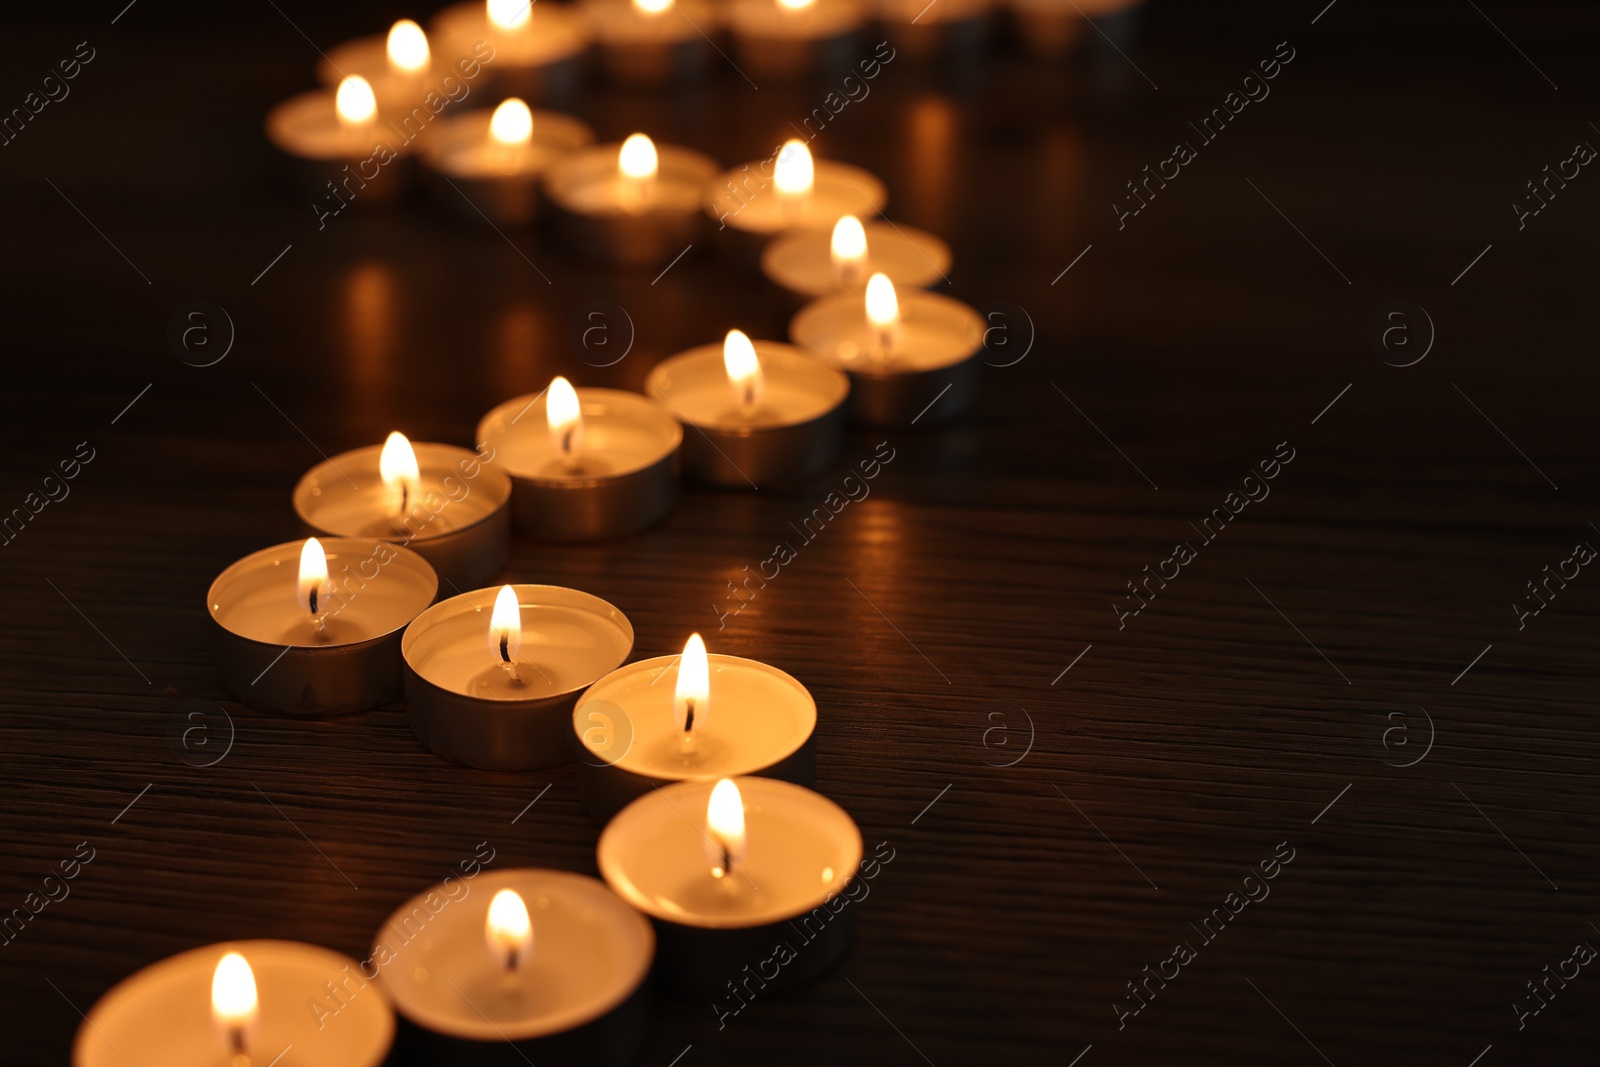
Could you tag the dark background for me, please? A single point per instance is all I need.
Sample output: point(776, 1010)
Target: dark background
point(1196, 339)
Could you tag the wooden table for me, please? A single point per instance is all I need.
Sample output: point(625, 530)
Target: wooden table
point(1069, 789)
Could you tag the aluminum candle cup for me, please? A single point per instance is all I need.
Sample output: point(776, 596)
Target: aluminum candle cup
point(780, 42)
point(471, 705)
point(950, 29)
point(171, 1011)
point(531, 50)
point(928, 374)
point(624, 480)
point(652, 43)
point(576, 992)
point(751, 203)
point(761, 722)
point(802, 852)
point(455, 513)
point(487, 164)
point(804, 262)
point(639, 220)
point(790, 429)
point(337, 159)
point(273, 653)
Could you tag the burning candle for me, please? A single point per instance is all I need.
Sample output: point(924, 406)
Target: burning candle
point(802, 193)
point(636, 203)
point(332, 145)
point(765, 412)
point(764, 866)
point(909, 355)
point(813, 263)
point(313, 627)
point(549, 961)
point(398, 66)
point(236, 1004)
point(493, 160)
point(585, 464)
point(491, 675)
point(786, 39)
point(652, 43)
point(535, 51)
point(441, 501)
point(721, 716)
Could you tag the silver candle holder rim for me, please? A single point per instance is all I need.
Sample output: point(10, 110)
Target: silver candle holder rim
point(765, 350)
point(907, 298)
point(597, 161)
point(488, 427)
point(557, 129)
point(499, 498)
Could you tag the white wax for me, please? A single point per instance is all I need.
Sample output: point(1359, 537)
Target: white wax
point(694, 384)
point(803, 261)
point(345, 496)
point(619, 22)
point(768, 18)
point(569, 639)
point(801, 849)
point(746, 198)
point(935, 331)
point(590, 952)
point(377, 589)
point(756, 716)
point(553, 32)
point(588, 182)
point(308, 125)
point(623, 432)
point(162, 1014)
point(462, 148)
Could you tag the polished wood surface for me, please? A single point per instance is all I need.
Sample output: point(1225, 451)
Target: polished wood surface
point(1339, 675)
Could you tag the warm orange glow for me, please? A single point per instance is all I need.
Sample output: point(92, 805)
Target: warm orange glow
point(507, 929)
point(354, 101)
point(849, 250)
point(397, 464)
point(725, 827)
point(511, 123)
point(510, 14)
point(883, 310)
point(744, 369)
point(652, 7)
point(564, 415)
point(691, 697)
point(794, 171)
point(505, 626)
point(313, 584)
point(795, 5)
point(408, 48)
point(234, 1006)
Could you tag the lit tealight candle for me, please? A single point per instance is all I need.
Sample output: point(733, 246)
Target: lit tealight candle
point(397, 66)
point(407, 48)
point(585, 464)
point(441, 501)
point(812, 263)
point(634, 203)
point(722, 716)
point(238, 1004)
point(764, 866)
point(492, 160)
point(508, 706)
point(334, 146)
point(527, 49)
point(650, 43)
point(787, 39)
point(791, 190)
point(765, 412)
point(551, 962)
point(909, 355)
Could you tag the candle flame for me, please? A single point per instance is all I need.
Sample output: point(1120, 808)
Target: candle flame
point(883, 310)
point(510, 14)
point(507, 929)
point(691, 697)
point(312, 588)
point(638, 159)
point(408, 47)
point(725, 827)
point(505, 626)
point(397, 464)
point(564, 415)
point(651, 7)
point(795, 5)
point(512, 122)
point(794, 171)
point(744, 369)
point(354, 101)
point(849, 249)
point(234, 1006)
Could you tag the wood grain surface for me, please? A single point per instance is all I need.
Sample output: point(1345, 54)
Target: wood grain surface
point(1339, 674)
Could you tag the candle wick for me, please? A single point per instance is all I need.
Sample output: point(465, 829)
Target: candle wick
point(727, 862)
point(236, 1044)
point(688, 716)
point(511, 959)
point(312, 600)
point(405, 497)
point(505, 647)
